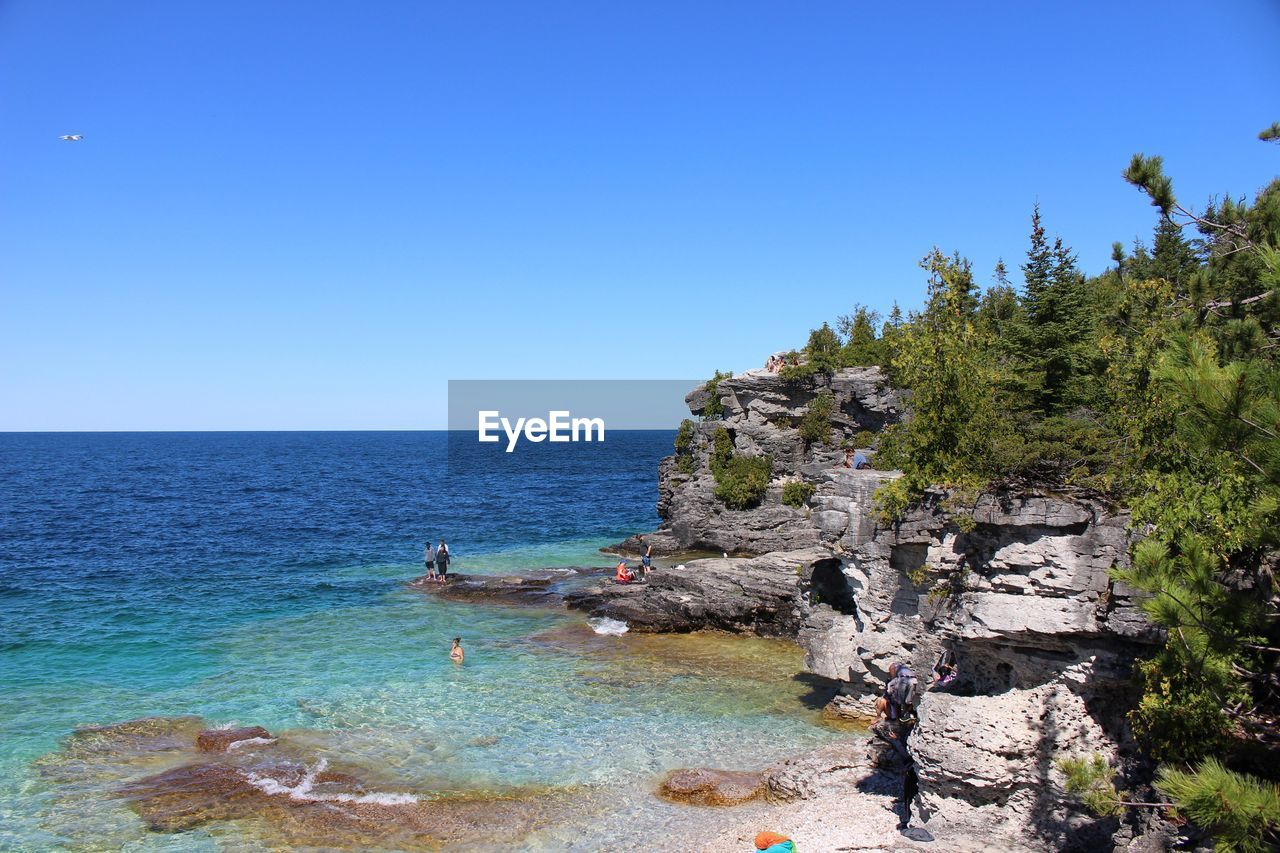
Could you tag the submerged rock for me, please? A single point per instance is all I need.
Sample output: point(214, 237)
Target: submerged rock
point(178, 774)
point(705, 787)
point(220, 740)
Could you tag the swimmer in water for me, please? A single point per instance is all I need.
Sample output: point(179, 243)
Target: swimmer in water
point(455, 654)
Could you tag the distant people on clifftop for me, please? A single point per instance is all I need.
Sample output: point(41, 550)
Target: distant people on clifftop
point(442, 560)
point(856, 459)
point(431, 561)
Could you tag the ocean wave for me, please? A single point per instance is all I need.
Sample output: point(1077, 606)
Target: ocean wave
point(303, 791)
point(610, 627)
point(250, 741)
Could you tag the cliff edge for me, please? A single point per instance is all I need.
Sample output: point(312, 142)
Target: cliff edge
point(1017, 585)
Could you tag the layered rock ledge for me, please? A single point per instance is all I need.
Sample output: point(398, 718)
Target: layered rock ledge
point(1017, 585)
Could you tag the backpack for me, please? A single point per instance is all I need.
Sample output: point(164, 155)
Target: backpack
point(902, 691)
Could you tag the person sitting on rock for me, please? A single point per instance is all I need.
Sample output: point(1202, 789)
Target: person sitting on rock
point(624, 575)
point(944, 671)
point(772, 842)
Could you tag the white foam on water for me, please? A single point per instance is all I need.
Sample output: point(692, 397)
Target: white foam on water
point(610, 627)
point(302, 791)
point(251, 741)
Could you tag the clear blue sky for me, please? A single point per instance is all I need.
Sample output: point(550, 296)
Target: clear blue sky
point(311, 215)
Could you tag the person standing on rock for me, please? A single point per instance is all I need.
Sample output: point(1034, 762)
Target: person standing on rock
point(431, 561)
point(646, 562)
point(900, 702)
point(442, 560)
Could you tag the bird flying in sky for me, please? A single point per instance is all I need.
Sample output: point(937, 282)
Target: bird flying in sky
point(72, 137)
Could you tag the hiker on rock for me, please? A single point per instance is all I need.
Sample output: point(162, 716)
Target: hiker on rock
point(900, 709)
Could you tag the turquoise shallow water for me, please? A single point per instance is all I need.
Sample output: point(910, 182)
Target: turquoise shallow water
point(290, 611)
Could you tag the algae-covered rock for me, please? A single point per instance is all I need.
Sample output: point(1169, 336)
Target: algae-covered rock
point(706, 787)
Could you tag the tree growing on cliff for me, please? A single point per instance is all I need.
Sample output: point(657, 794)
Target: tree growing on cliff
point(944, 357)
point(1207, 488)
point(715, 408)
point(821, 354)
point(861, 345)
point(815, 423)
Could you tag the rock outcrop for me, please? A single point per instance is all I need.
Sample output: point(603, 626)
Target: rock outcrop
point(755, 595)
point(221, 740)
point(1017, 585)
point(705, 787)
point(761, 411)
point(545, 588)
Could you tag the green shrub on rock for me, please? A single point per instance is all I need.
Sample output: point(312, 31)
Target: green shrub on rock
point(742, 481)
point(714, 407)
point(797, 494)
point(685, 435)
point(815, 424)
point(721, 449)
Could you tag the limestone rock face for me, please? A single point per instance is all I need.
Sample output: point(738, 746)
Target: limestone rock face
point(1017, 585)
point(758, 595)
point(857, 765)
point(761, 411)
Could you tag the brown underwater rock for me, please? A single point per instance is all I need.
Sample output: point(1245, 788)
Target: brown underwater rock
point(707, 787)
point(220, 740)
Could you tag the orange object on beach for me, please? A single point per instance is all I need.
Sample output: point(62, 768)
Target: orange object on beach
point(766, 839)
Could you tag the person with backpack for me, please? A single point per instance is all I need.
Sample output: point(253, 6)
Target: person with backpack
point(901, 693)
point(900, 706)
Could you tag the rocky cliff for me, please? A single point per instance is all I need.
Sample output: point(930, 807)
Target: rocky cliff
point(1017, 585)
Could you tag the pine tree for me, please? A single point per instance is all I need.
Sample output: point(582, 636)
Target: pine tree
point(1173, 258)
point(861, 347)
point(1038, 270)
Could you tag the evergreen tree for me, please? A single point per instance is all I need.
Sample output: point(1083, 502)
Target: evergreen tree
point(1038, 270)
point(1173, 258)
point(861, 346)
point(945, 359)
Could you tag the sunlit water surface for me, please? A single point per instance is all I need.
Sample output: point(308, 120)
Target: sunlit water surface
point(260, 579)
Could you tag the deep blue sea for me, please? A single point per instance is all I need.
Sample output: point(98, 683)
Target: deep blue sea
point(260, 579)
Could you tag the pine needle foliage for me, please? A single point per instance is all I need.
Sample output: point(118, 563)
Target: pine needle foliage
point(1092, 781)
point(1243, 813)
